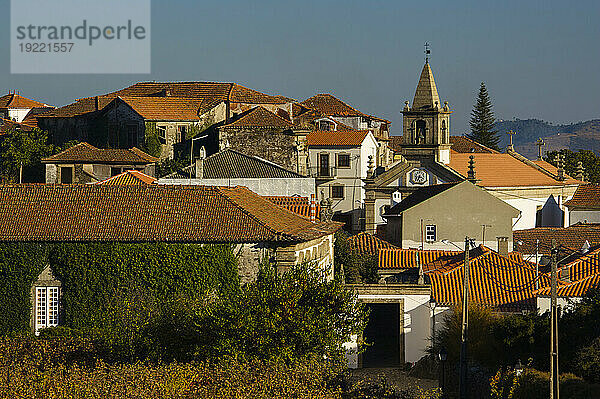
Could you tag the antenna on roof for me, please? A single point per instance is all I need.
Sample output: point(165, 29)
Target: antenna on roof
point(427, 52)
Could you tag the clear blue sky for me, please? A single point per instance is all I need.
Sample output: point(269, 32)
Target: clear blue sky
point(538, 58)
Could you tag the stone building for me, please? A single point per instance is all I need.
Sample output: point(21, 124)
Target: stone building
point(258, 228)
point(259, 132)
point(206, 105)
point(84, 163)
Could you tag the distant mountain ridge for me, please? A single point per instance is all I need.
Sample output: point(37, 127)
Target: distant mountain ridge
point(574, 136)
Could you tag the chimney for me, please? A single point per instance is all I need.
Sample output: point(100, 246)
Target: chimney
point(502, 245)
point(97, 103)
point(560, 167)
point(580, 173)
point(199, 164)
point(313, 209)
point(471, 171)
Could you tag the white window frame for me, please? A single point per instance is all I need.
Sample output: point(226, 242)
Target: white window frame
point(161, 132)
point(46, 307)
point(430, 233)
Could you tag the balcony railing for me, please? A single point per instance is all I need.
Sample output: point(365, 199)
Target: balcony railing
point(323, 172)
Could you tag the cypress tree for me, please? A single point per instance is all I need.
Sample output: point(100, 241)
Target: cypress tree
point(482, 121)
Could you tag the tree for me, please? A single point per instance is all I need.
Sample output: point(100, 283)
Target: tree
point(24, 149)
point(590, 161)
point(482, 121)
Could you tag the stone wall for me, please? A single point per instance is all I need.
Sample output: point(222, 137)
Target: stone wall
point(279, 147)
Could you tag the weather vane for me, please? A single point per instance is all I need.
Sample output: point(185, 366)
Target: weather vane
point(427, 52)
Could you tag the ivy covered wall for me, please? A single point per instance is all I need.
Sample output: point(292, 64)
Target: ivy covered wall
point(94, 274)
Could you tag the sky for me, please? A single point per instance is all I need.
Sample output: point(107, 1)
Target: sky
point(538, 59)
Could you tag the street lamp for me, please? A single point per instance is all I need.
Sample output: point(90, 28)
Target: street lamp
point(518, 368)
point(442, 356)
point(432, 305)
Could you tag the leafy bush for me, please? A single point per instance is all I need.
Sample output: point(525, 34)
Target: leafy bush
point(288, 316)
point(356, 267)
point(534, 384)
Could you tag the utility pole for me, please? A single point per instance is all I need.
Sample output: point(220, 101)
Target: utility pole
point(554, 388)
point(465, 326)
point(537, 264)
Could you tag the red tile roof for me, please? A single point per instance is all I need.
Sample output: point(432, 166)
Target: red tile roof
point(587, 196)
point(464, 144)
point(87, 153)
point(298, 205)
point(129, 178)
point(494, 281)
point(366, 243)
point(54, 213)
point(259, 117)
point(401, 259)
point(79, 107)
point(583, 266)
point(14, 100)
point(329, 105)
point(504, 170)
point(572, 237)
point(164, 108)
point(351, 138)
point(576, 289)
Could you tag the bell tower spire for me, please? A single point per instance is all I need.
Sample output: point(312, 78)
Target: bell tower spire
point(426, 124)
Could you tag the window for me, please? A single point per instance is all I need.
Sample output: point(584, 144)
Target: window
point(66, 175)
point(46, 307)
point(325, 125)
point(131, 135)
point(430, 233)
point(162, 134)
point(337, 192)
point(115, 171)
point(343, 160)
point(181, 131)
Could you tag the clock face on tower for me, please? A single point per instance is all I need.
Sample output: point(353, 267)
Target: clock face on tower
point(418, 176)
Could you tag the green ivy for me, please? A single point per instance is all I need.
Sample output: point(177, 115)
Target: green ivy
point(152, 144)
point(100, 278)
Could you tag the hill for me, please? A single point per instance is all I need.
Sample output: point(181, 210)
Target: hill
point(575, 136)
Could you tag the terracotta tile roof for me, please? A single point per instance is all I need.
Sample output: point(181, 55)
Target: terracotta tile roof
point(87, 153)
point(241, 94)
point(6, 125)
point(259, 118)
point(341, 138)
point(366, 243)
point(298, 205)
point(576, 289)
point(401, 259)
point(208, 94)
point(583, 265)
point(331, 106)
point(79, 107)
point(586, 196)
point(503, 170)
point(164, 108)
point(129, 178)
point(93, 212)
point(464, 144)
point(572, 237)
point(232, 164)
point(31, 117)
point(14, 100)
point(420, 195)
point(494, 281)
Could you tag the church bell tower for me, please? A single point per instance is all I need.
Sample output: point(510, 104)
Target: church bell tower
point(426, 124)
